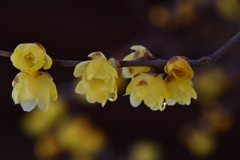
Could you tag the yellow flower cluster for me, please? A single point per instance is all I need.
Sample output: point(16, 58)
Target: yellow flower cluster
point(32, 87)
point(97, 79)
point(148, 86)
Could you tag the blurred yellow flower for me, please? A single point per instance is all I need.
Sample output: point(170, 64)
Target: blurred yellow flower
point(47, 147)
point(160, 16)
point(97, 79)
point(81, 138)
point(228, 9)
point(149, 88)
point(146, 150)
point(33, 90)
point(212, 84)
point(218, 117)
point(199, 142)
point(179, 67)
point(30, 57)
point(180, 91)
point(37, 123)
point(140, 51)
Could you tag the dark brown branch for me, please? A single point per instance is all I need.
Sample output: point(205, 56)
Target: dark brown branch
point(204, 62)
point(5, 53)
point(151, 63)
point(208, 61)
point(65, 63)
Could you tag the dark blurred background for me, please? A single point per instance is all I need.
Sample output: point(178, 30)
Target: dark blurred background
point(73, 130)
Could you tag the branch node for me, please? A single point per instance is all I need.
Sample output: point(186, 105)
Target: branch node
point(205, 62)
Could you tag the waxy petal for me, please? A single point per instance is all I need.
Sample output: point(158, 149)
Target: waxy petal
point(29, 106)
point(80, 68)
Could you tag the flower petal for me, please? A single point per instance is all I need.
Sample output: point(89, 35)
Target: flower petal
point(80, 68)
point(29, 106)
point(48, 62)
point(134, 102)
point(43, 106)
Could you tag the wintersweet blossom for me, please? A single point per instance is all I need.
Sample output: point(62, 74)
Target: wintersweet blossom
point(97, 79)
point(180, 91)
point(140, 51)
point(147, 87)
point(179, 82)
point(31, 90)
point(179, 67)
point(30, 57)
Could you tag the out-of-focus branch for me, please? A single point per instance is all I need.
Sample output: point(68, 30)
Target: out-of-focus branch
point(204, 62)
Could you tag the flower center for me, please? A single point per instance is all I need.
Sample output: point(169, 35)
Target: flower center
point(179, 73)
point(30, 59)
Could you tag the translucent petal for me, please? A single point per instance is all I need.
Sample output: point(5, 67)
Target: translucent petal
point(97, 55)
point(170, 102)
point(95, 94)
point(81, 88)
point(133, 102)
point(15, 93)
point(126, 73)
point(140, 92)
point(132, 85)
point(129, 57)
point(130, 88)
point(103, 103)
point(29, 106)
point(93, 68)
point(48, 87)
point(89, 99)
point(110, 69)
point(80, 68)
point(43, 106)
point(113, 87)
point(155, 108)
point(37, 52)
point(138, 47)
point(48, 62)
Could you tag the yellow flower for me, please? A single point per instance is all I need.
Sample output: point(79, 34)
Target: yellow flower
point(97, 79)
point(180, 91)
point(140, 51)
point(179, 67)
point(37, 123)
point(81, 138)
point(33, 90)
point(30, 57)
point(149, 88)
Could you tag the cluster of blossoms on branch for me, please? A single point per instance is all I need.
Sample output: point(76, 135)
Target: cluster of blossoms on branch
point(98, 79)
point(152, 88)
point(32, 87)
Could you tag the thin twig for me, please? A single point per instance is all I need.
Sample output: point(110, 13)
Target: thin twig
point(208, 61)
point(204, 62)
point(65, 63)
point(5, 53)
